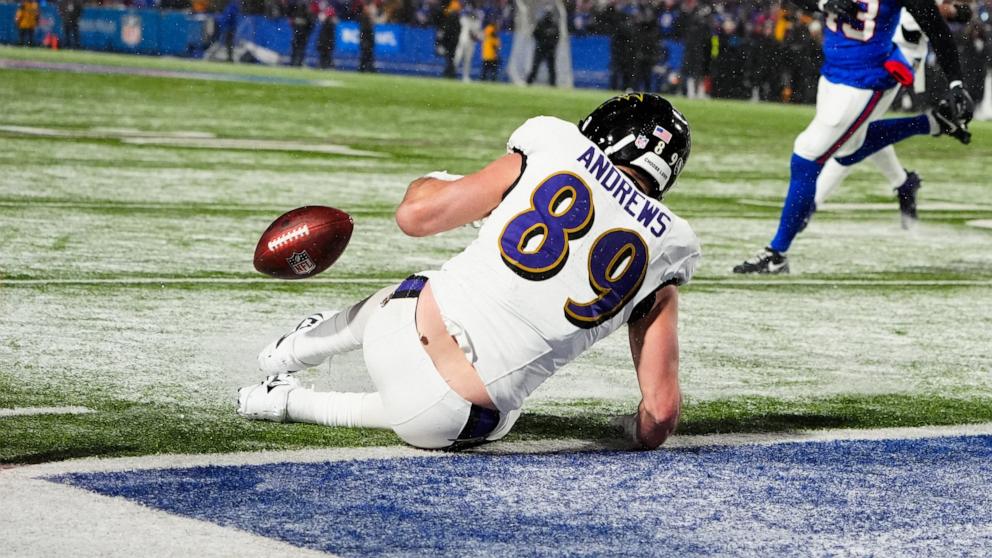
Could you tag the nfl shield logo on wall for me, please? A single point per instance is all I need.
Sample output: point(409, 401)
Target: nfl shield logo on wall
point(300, 263)
point(131, 30)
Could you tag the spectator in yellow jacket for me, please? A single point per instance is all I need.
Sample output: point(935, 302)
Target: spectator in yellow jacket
point(27, 20)
point(490, 53)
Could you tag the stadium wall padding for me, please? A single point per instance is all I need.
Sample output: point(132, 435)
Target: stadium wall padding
point(154, 32)
point(402, 49)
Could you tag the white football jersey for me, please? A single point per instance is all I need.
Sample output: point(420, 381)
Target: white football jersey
point(560, 263)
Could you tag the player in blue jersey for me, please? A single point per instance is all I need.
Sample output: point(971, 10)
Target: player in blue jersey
point(905, 184)
point(859, 79)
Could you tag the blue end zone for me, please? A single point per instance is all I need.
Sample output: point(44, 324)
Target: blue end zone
point(908, 497)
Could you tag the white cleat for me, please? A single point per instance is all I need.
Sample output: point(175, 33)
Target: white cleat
point(277, 357)
point(267, 400)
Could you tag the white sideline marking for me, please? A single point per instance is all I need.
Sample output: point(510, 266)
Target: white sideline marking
point(387, 281)
point(27, 202)
point(254, 144)
point(203, 140)
point(25, 411)
point(197, 281)
point(103, 132)
point(840, 207)
point(97, 464)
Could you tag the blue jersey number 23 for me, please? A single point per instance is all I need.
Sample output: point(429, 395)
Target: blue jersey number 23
point(534, 244)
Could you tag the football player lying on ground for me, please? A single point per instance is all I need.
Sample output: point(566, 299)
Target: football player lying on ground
point(574, 245)
point(859, 79)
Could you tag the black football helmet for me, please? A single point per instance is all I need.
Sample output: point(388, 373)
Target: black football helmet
point(643, 131)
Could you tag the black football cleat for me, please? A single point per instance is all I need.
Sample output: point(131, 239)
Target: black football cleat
point(949, 123)
point(767, 261)
point(906, 194)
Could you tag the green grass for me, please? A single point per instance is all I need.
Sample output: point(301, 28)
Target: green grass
point(159, 363)
point(120, 428)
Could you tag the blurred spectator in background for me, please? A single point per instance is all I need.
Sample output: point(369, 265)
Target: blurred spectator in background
point(728, 63)
point(227, 26)
point(449, 28)
point(26, 19)
point(648, 37)
point(803, 59)
point(328, 18)
point(618, 25)
point(470, 32)
point(545, 47)
point(70, 11)
point(366, 36)
point(697, 47)
point(763, 59)
point(490, 52)
point(976, 55)
point(301, 18)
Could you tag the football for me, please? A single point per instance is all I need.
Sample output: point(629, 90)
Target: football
point(303, 242)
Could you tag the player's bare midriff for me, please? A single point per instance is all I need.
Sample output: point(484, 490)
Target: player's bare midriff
point(447, 357)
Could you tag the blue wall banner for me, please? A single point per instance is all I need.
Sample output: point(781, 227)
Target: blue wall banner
point(154, 32)
point(401, 49)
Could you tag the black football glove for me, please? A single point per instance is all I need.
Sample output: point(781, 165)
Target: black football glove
point(954, 111)
point(845, 8)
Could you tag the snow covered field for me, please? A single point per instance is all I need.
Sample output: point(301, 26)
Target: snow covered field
point(130, 206)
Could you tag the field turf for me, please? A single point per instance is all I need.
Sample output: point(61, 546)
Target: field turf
point(130, 205)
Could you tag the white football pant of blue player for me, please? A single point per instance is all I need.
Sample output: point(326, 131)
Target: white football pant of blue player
point(859, 79)
point(905, 184)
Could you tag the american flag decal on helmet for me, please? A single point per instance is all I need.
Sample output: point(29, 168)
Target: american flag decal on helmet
point(662, 134)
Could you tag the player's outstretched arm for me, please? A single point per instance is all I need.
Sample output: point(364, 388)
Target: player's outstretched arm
point(654, 345)
point(432, 205)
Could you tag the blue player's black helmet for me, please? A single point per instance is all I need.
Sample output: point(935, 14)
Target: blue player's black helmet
point(643, 131)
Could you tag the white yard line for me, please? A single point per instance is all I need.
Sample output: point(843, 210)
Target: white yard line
point(841, 207)
point(128, 205)
point(42, 519)
point(501, 448)
point(26, 411)
point(195, 281)
point(386, 281)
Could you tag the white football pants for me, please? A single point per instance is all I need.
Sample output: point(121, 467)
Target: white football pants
point(412, 398)
point(841, 122)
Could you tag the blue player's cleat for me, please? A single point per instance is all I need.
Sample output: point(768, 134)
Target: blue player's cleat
point(906, 193)
point(767, 261)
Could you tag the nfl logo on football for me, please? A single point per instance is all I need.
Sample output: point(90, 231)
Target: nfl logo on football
point(301, 263)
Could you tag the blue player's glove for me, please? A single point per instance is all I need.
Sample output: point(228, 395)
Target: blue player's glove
point(954, 111)
point(844, 8)
point(958, 97)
